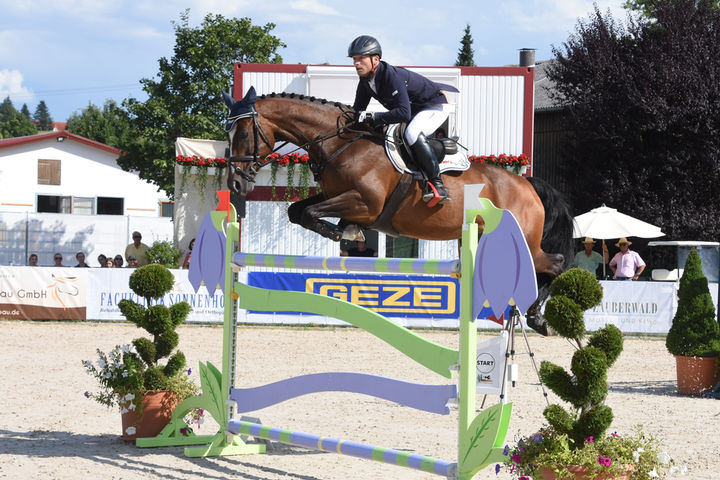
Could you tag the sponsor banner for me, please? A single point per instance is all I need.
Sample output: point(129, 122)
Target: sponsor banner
point(107, 287)
point(638, 307)
point(406, 296)
point(41, 293)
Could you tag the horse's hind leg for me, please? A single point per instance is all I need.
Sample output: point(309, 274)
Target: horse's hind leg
point(547, 267)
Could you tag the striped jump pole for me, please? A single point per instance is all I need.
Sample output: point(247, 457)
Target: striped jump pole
point(344, 447)
point(349, 264)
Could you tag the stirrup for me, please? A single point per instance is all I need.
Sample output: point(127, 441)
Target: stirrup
point(432, 197)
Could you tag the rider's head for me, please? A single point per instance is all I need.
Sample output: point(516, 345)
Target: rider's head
point(365, 52)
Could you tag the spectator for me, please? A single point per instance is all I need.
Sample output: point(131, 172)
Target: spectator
point(589, 259)
point(58, 260)
point(361, 250)
point(32, 260)
point(626, 264)
point(132, 262)
point(80, 257)
point(102, 260)
point(186, 263)
point(109, 262)
point(137, 249)
point(118, 261)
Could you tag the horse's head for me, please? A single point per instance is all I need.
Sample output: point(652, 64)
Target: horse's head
point(249, 145)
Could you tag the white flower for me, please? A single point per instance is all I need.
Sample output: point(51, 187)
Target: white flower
point(123, 411)
point(125, 374)
point(107, 375)
point(636, 454)
point(130, 430)
point(118, 365)
point(132, 349)
point(664, 458)
point(130, 396)
point(87, 363)
point(101, 363)
point(132, 406)
point(125, 348)
point(653, 474)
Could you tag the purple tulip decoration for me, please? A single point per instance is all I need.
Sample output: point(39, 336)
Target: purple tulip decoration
point(504, 269)
point(208, 257)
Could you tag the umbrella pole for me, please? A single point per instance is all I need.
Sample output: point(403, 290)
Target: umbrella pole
point(603, 255)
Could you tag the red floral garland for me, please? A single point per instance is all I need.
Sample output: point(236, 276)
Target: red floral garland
point(283, 160)
point(502, 160)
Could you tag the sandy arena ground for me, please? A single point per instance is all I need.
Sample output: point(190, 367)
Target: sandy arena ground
point(48, 429)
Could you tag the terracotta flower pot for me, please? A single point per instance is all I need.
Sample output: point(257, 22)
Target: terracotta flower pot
point(156, 412)
point(696, 375)
point(579, 473)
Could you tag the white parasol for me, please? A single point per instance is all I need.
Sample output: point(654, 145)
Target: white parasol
point(605, 222)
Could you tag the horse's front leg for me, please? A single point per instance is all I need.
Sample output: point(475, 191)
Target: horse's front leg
point(297, 215)
point(349, 205)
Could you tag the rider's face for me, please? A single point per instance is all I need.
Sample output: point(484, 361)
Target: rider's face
point(364, 64)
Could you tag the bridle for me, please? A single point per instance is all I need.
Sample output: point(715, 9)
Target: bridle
point(258, 133)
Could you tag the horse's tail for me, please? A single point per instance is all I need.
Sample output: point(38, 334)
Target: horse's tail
point(558, 228)
point(556, 241)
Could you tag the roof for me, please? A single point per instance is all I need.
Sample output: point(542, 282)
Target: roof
point(13, 142)
point(543, 87)
point(682, 243)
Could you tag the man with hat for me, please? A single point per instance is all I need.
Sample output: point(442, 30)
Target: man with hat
point(626, 264)
point(589, 259)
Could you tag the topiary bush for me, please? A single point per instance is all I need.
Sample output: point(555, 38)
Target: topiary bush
point(152, 282)
point(164, 253)
point(585, 386)
point(694, 331)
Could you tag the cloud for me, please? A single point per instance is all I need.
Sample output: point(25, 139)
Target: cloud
point(11, 85)
point(543, 16)
point(313, 6)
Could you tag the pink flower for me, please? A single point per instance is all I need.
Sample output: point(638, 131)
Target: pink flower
point(590, 439)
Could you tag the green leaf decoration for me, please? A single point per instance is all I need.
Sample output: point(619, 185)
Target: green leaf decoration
point(483, 441)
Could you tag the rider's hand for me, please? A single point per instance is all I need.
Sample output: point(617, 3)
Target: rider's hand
point(365, 116)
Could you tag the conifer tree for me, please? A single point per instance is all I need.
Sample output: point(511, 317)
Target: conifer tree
point(42, 117)
point(466, 54)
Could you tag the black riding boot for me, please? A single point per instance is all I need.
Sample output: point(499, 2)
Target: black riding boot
point(426, 159)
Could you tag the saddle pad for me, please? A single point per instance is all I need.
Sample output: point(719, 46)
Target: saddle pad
point(457, 162)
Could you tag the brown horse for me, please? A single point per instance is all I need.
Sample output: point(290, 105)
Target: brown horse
point(357, 179)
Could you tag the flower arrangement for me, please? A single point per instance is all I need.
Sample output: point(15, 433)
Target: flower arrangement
point(610, 456)
point(577, 436)
point(128, 372)
point(202, 164)
point(291, 161)
point(508, 162)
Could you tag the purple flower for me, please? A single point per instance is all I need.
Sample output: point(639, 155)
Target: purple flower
point(208, 259)
point(189, 371)
point(590, 439)
point(604, 461)
point(497, 468)
point(87, 394)
point(516, 458)
point(537, 438)
point(506, 450)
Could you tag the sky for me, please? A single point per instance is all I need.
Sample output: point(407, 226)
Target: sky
point(70, 53)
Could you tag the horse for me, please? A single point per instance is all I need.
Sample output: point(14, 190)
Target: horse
point(357, 179)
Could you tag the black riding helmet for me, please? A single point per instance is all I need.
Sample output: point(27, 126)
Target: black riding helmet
point(364, 45)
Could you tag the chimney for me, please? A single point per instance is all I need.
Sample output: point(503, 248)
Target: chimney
point(527, 57)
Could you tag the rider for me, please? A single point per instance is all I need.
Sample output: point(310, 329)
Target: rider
point(408, 97)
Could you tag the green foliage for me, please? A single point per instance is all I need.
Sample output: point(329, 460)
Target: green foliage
point(580, 286)
point(183, 99)
point(110, 125)
point(636, 123)
point(565, 317)
point(694, 330)
point(14, 123)
point(155, 379)
point(42, 117)
point(164, 253)
point(145, 349)
point(151, 281)
point(585, 386)
point(466, 54)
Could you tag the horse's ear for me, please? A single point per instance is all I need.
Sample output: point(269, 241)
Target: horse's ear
point(250, 96)
point(229, 101)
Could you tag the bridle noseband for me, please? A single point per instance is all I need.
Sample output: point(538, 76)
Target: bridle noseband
point(258, 132)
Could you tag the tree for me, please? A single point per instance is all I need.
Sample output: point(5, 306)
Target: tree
point(648, 7)
point(110, 125)
point(26, 111)
point(185, 98)
point(642, 102)
point(466, 54)
point(14, 123)
point(42, 117)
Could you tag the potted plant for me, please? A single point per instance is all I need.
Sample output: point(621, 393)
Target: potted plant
point(694, 337)
point(575, 444)
point(131, 376)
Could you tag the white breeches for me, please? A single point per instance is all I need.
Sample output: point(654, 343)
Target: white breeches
point(427, 121)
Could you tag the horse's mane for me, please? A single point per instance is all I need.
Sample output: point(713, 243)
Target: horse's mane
point(305, 98)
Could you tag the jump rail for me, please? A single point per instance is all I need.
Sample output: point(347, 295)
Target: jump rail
point(480, 436)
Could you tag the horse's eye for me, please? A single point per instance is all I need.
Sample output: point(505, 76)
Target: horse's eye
point(241, 135)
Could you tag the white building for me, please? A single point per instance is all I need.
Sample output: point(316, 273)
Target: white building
point(60, 192)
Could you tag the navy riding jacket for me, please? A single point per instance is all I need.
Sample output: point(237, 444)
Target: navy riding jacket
point(402, 92)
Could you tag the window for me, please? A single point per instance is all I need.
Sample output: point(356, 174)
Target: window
point(54, 204)
point(83, 205)
point(48, 172)
point(167, 209)
point(401, 247)
point(110, 206)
